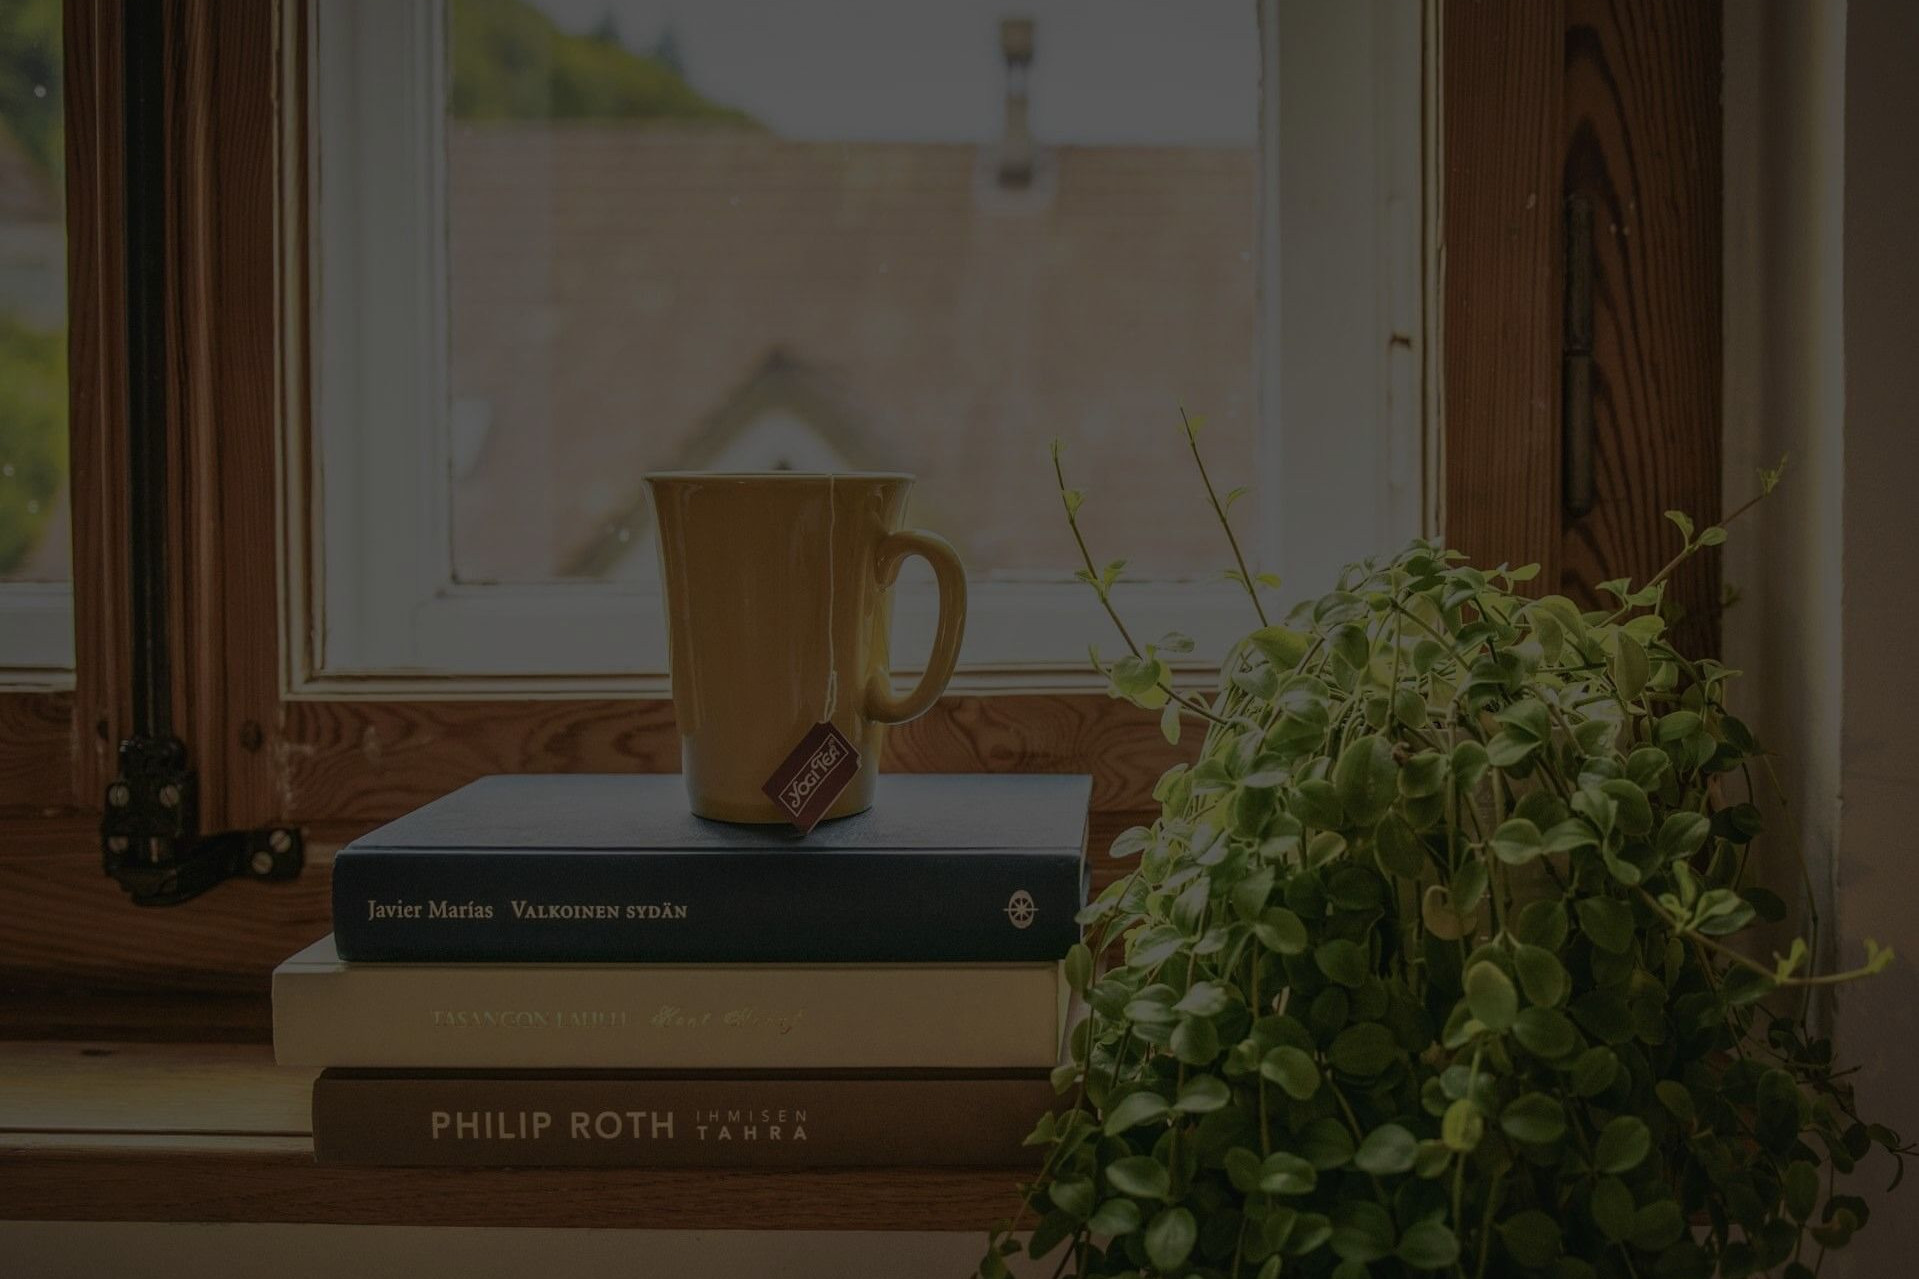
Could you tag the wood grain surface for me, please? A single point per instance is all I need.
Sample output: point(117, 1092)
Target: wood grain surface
point(96, 372)
point(374, 760)
point(1643, 144)
point(1501, 103)
point(37, 747)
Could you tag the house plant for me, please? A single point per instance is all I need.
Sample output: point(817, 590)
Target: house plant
point(1432, 961)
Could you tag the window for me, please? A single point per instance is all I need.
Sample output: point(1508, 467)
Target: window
point(557, 244)
point(36, 574)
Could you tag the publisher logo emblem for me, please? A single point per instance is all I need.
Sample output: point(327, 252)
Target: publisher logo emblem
point(1021, 910)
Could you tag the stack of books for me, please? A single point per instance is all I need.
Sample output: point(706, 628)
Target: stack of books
point(572, 970)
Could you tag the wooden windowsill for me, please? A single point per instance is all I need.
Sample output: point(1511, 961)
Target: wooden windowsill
point(218, 1133)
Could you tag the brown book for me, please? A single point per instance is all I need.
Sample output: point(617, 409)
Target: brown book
point(659, 1119)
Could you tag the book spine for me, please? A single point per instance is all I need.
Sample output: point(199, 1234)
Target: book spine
point(453, 1120)
point(828, 1016)
point(396, 905)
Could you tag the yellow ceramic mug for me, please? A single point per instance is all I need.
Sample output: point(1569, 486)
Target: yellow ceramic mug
point(779, 603)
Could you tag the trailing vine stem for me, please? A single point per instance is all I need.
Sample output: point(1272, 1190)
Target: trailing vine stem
point(1069, 498)
point(1245, 577)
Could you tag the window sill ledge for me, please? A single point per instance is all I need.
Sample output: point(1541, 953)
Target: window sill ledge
point(217, 1133)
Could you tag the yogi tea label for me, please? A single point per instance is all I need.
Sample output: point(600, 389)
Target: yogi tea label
point(808, 781)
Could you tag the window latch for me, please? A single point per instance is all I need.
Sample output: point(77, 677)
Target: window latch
point(150, 836)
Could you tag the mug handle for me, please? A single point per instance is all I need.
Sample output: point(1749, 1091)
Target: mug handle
point(881, 705)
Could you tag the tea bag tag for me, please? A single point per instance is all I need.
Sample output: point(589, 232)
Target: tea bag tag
point(808, 781)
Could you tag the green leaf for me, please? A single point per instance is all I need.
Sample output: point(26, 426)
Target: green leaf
point(1290, 1068)
point(1508, 750)
point(1387, 1150)
point(1204, 999)
point(1202, 1095)
point(1657, 1225)
point(1284, 1174)
point(1517, 841)
point(1629, 667)
point(1364, 1050)
point(1366, 779)
point(1682, 834)
point(1545, 1033)
point(1170, 1238)
point(1534, 1118)
point(1428, 1245)
point(1249, 896)
point(1169, 722)
point(1674, 1097)
point(1342, 961)
point(1133, 1110)
point(1282, 647)
point(1079, 968)
point(1532, 1237)
point(1316, 803)
point(1594, 1072)
point(1115, 1217)
point(1677, 726)
point(1612, 1208)
point(1623, 1144)
point(1470, 763)
point(1280, 930)
point(1608, 921)
point(1352, 646)
point(1326, 1143)
point(1462, 1126)
point(1541, 975)
point(1195, 1041)
point(1424, 774)
point(1073, 1196)
point(1802, 1189)
point(1490, 994)
point(1683, 522)
point(1141, 1176)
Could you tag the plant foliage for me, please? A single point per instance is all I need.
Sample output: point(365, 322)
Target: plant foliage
point(1431, 963)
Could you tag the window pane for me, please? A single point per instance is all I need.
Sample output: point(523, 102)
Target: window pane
point(757, 234)
point(34, 542)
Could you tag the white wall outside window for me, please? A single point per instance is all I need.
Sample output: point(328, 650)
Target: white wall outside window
point(1343, 422)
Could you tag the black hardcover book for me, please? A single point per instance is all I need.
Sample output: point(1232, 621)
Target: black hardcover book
point(613, 868)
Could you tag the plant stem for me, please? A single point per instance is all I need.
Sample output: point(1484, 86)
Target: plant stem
point(1245, 578)
point(1686, 552)
point(1086, 557)
point(1728, 953)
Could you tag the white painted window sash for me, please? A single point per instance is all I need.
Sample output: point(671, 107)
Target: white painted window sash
point(1344, 256)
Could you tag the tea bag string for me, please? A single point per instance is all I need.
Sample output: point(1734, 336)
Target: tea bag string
point(832, 638)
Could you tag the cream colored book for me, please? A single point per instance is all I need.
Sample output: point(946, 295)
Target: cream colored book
point(693, 1017)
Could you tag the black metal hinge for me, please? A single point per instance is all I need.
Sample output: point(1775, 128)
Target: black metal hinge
point(150, 837)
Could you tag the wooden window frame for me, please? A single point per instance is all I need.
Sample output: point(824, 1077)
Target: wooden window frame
point(1539, 97)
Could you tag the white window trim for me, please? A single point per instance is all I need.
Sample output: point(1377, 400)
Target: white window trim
point(371, 595)
point(36, 619)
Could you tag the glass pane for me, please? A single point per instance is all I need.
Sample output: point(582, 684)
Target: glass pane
point(34, 541)
point(841, 234)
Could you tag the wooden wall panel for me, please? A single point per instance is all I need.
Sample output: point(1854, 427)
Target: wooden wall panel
point(1501, 103)
point(36, 753)
point(374, 760)
point(1643, 144)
